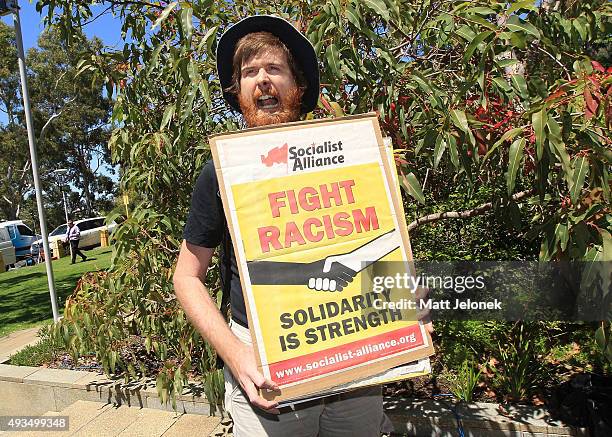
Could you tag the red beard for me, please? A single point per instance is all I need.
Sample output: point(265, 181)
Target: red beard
point(289, 109)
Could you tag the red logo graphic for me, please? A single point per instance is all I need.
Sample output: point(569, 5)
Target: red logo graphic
point(277, 155)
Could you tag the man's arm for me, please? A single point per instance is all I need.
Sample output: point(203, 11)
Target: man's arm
point(193, 261)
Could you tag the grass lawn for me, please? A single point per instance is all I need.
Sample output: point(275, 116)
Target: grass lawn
point(24, 293)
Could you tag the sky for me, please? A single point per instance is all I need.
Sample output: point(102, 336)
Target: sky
point(107, 28)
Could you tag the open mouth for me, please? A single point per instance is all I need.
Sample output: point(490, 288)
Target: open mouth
point(267, 102)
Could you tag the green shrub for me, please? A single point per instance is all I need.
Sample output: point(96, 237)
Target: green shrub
point(45, 351)
point(464, 381)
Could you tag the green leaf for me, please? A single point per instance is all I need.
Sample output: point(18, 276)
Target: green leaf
point(558, 148)
point(187, 22)
point(581, 167)
point(168, 114)
point(607, 245)
point(164, 14)
point(338, 112)
point(525, 4)
point(192, 71)
point(515, 24)
point(518, 39)
point(333, 59)
point(208, 38)
point(580, 28)
point(413, 187)
point(465, 32)
point(353, 17)
point(481, 10)
point(439, 150)
point(601, 337)
point(518, 80)
point(452, 150)
point(539, 120)
point(203, 85)
point(506, 136)
point(378, 6)
point(503, 63)
point(459, 119)
point(516, 155)
point(502, 83)
point(469, 50)
point(485, 23)
point(187, 105)
point(562, 235)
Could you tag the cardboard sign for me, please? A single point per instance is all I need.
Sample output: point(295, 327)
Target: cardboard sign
point(312, 209)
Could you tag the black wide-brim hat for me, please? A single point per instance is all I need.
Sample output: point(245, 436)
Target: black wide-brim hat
point(302, 50)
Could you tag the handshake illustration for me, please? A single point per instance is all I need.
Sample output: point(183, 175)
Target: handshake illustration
point(330, 274)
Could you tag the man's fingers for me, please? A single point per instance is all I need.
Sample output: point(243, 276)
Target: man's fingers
point(258, 381)
point(423, 314)
point(259, 402)
point(421, 293)
point(269, 385)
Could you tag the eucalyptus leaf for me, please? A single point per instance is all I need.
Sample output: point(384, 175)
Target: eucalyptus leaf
point(580, 170)
point(514, 163)
point(377, 6)
point(164, 14)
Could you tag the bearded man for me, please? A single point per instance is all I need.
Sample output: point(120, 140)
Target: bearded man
point(269, 73)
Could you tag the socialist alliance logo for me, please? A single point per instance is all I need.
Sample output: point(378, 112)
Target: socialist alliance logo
point(277, 155)
point(314, 155)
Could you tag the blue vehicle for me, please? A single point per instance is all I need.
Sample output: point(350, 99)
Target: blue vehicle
point(21, 236)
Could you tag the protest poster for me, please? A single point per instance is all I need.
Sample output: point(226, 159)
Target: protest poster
point(313, 211)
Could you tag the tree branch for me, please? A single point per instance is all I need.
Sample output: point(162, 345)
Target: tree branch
point(567, 73)
point(43, 131)
point(479, 210)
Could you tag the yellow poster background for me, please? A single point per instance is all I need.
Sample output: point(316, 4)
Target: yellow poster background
point(253, 210)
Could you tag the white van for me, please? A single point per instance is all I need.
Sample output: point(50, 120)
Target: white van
point(21, 235)
point(6, 248)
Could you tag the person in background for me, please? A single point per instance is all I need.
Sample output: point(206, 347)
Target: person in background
point(73, 235)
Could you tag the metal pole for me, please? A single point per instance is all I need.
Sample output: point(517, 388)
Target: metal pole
point(33, 158)
point(65, 207)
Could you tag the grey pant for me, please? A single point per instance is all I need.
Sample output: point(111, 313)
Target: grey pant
point(358, 413)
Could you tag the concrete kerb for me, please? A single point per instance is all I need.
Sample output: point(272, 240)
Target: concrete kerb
point(55, 389)
point(33, 390)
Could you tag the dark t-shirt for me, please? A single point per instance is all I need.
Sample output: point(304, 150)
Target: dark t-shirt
point(206, 227)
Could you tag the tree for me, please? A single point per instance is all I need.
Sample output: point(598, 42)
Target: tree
point(70, 122)
point(15, 171)
point(437, 72)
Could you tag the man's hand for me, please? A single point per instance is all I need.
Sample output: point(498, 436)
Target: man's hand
point(423, 314)
point(245, 372)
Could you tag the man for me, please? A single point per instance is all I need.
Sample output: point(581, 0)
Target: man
point(73, 234)
point(269, 73)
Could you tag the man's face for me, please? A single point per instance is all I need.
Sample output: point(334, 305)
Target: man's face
point(268, 91)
